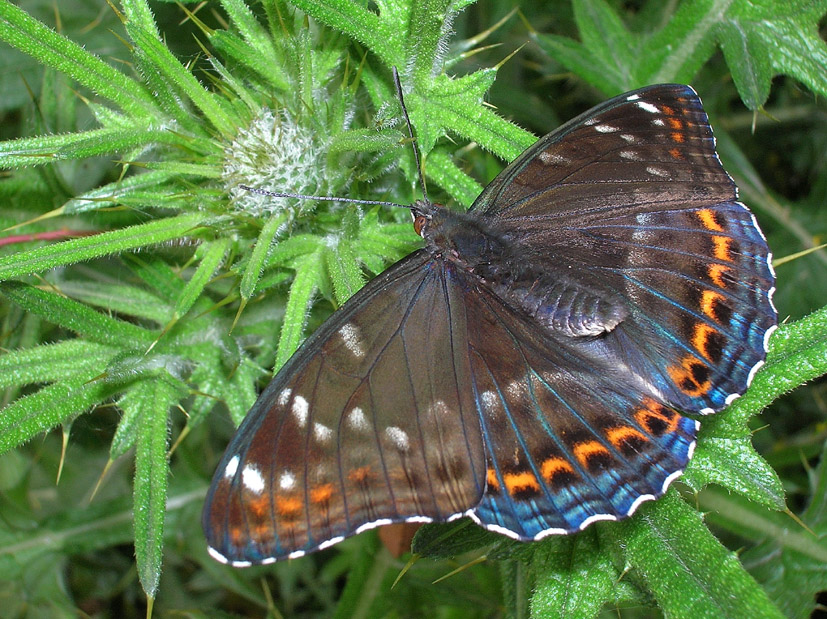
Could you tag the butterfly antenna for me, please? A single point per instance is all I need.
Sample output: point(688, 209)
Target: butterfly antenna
point(398, 85)
point(301, 196)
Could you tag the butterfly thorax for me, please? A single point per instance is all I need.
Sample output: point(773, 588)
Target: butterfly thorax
point(537, 285)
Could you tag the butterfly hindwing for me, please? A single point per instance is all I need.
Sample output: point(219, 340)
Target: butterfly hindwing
point(570, 437)
point(369, 423)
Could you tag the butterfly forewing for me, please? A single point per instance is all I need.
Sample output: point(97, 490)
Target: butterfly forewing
point(370, 422)
point(647, 150)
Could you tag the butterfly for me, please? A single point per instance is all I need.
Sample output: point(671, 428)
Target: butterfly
point(530, 367)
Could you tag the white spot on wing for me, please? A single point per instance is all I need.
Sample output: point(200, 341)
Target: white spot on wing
point(606, 128)
point(287, 481)
point(300, 409)
point(648, 107)
point(489, 399)
point(551, 158)
point(252, 480)
point(516, 388)
point(232, 467)
point(398, 437)
point(628, 137)
point(352, 339)
point(322, 433)
point(356, 420)
point(658, 122)
point(284, 396)
point(596, 518)
point(657, 171)
point(673, 476)
point(630, 155)
point(632, 97)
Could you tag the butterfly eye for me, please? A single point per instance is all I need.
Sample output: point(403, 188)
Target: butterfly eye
point(420, 221)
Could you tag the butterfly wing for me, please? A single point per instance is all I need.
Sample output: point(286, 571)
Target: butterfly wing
point(571, 436)
point(371, 422)
point(630, 201)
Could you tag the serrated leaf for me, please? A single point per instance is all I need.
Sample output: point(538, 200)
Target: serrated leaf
point(795, 573)
point(52, 362)
point(103, 244)
point(76, 316)
point(575, 577)
point(154, 398)
point(690, 573)
point(309, 270)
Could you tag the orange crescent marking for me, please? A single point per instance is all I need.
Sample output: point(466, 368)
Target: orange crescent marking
point(260, 505)
point(491, 478)
point(618, 436)
point(675, 153)
point(551, 466)
point(700, 339)
point(288, 506)
point(707, 218)
point(359, 475)
point(651, 409)
point(716, 274)
point(321, 494)
point(722, 250)
point(708, 300)
point(583, 451)
point(525, 480)
point(677, 137)
point(682, 374)
point(675, 123)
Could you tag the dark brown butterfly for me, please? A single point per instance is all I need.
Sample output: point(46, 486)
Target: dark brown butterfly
point(528, 366)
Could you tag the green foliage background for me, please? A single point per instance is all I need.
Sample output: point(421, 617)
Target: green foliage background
point(145, 294)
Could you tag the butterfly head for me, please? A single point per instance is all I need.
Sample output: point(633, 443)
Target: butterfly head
point(422, 212)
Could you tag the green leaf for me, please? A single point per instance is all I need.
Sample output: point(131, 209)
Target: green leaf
point(357, 22)
point(52, 362)
point(43, 150)
point(575, 577)
point(255, 266)
point(154, 398)
point(309, 270)
point(687, 570)
point(343, 271)
point(212, 257)
point(759, 40)
point(457, 103)
point(77, 317)
point(30, 36)
point(54, 404)
point(762, 39)
point(791, 560)
point(442, 169)
point(120, 299)
point(105, 243)
point(168, 65)
point(605, 35)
